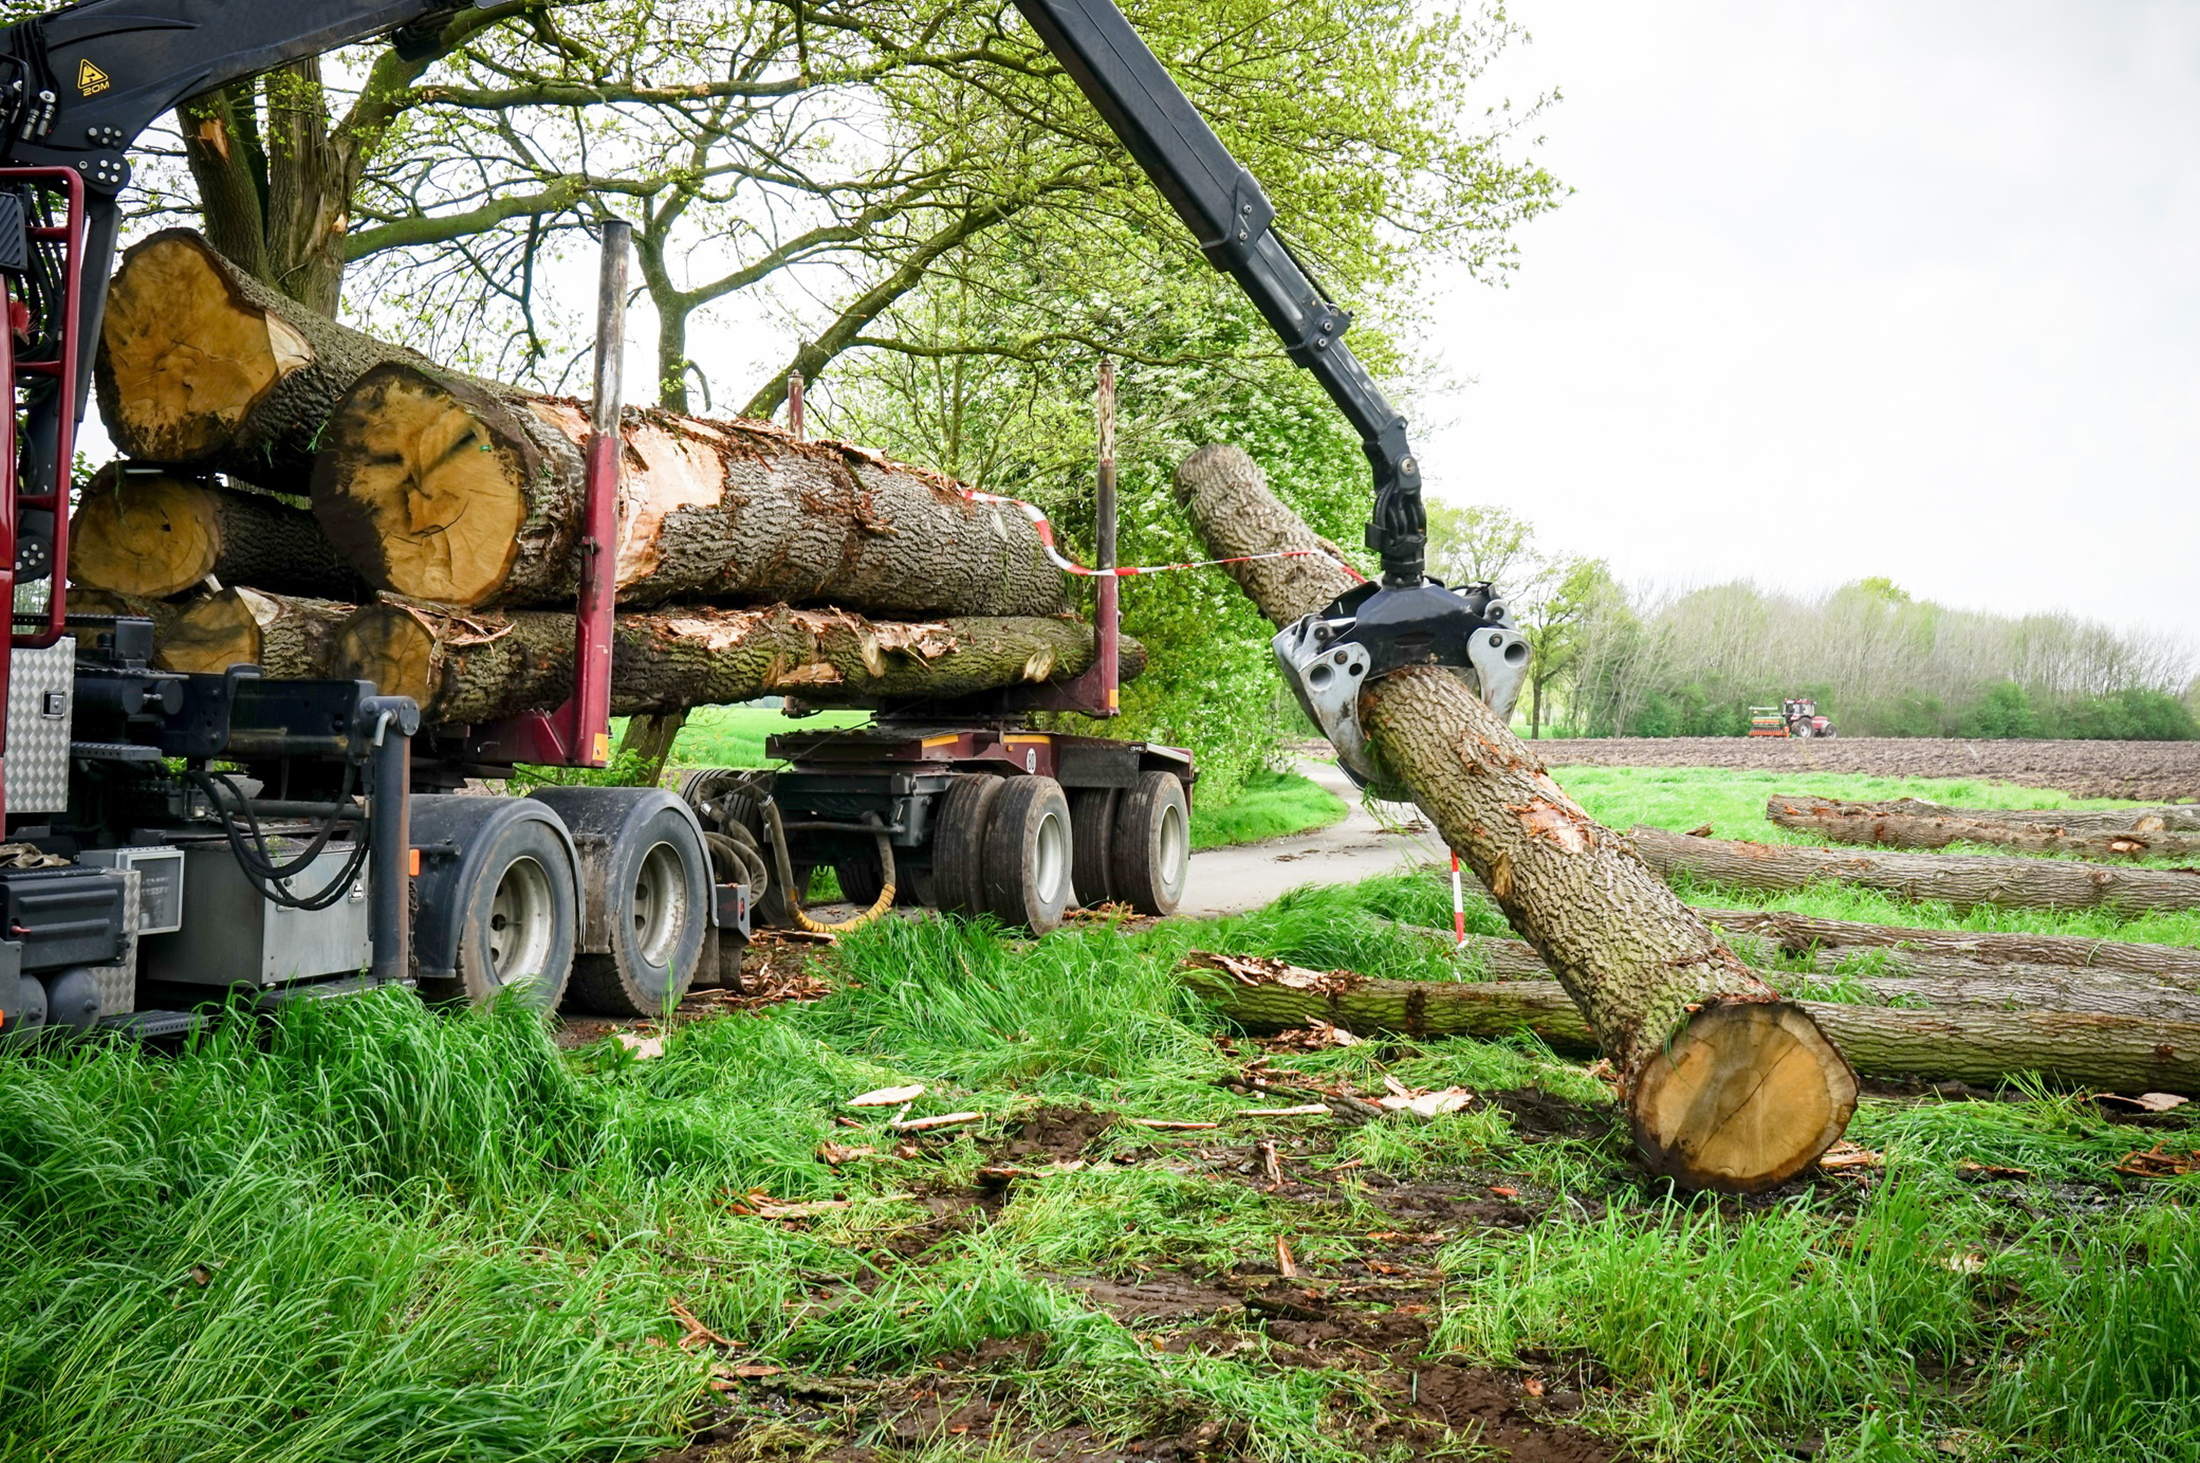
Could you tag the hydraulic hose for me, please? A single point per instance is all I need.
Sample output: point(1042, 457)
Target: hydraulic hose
point(793, 895)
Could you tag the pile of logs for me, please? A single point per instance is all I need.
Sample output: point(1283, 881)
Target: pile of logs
point(387, 519)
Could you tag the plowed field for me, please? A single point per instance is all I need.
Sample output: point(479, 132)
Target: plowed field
point(2158, 772)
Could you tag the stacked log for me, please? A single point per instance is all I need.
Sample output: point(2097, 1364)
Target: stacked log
point(458, 501)
point(1725, 1085)
point(1962, 880)
point(1908, 823)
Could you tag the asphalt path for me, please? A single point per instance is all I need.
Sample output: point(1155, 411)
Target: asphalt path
point(1249, 875)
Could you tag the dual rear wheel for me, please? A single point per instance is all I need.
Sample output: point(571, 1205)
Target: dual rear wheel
point(1023, 851)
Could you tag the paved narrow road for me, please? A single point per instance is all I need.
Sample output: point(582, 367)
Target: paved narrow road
point(1233, 880)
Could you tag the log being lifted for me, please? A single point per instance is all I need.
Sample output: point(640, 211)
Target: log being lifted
point(466, 493)
point(140, 531)
point(1912, 824)
point(201, 364)
point(1963, 880)
point(1798, 933)
point(471, 668)
point(2090, 1049)
point(288, 637)
point(1726, 1086)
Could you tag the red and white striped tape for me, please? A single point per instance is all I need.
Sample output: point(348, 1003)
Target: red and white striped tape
point(1068, 565)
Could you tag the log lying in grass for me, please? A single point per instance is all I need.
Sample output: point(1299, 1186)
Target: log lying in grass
point(1972, 1044)
point(144, 532)
point(483, 667)
point(1726, 1085)
point(1963, 880)
point(200, 363)
point(286, 636)
point(1940, 983)
point(1909, 824)
point(1797, 933)
point(462, 492)
point(2173, 818)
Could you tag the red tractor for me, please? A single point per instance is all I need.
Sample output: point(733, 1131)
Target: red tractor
point(1802, 718)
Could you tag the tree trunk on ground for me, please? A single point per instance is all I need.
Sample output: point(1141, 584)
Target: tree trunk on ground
point(1927, 981)
point(1726, 1086)
point(1797, 933)
point(478, 668)
point(288, 638)
point(1909, 824)
point(1973, 1044)
point(2173, 818)
point(468, 493)
point(199, 363)
point(146, 533)
point(1963, 880)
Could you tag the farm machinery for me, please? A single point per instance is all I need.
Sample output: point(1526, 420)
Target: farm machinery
point(1797, 716)
point(171, 838)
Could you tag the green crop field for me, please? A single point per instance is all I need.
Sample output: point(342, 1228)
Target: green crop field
point(366, 1230)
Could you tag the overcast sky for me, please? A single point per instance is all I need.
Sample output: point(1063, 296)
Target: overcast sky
point(1852, 289)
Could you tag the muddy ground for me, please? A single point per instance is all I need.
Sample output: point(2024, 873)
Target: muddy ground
point(2163, 772)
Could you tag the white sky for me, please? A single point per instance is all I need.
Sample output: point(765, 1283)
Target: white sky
point(1852, 289)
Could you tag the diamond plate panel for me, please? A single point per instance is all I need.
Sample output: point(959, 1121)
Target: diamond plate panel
point(41, 706)
point(118, 983)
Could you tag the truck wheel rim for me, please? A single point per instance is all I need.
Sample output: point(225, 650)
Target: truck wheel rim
point(1050, 857)
point(522, 920)
point(1176, 845)
point(660, 904)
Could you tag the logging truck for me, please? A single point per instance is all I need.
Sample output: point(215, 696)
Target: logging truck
point(288, 815)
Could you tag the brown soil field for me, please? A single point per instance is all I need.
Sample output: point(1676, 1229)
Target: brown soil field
point(2154, 772)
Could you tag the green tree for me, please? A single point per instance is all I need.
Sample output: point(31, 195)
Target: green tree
point(1479, 543)
point(1555, 609)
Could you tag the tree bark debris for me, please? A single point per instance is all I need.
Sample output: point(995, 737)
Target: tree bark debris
point(1962, 880)
point(1726, 1085)
point(1912, 824)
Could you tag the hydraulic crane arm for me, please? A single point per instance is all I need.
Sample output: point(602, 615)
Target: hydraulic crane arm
point(1408, 619)
point(1233, 221)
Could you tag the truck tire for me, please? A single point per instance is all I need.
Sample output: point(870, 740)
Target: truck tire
point(1027, 856)
point(862, 880)
point(1091, 832)
point(1152, 846)
point(958, 844)
point(521, 912)
point(645, 897)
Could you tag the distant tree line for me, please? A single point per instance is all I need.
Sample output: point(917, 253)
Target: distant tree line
point(1879, 662)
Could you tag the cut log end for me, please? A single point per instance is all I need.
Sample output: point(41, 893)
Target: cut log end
point(190, 356)
point(419, 491)
point(143, 533)
point(1745, 1097)
point(392, 647)
point(212, 635)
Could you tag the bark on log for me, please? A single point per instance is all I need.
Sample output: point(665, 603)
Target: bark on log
point(2172, 818)
point(143, 532)
point(286, 636)
point(201, 364)
point(2086, 1049)
point(1727, 1086)
point(467, 493)
point(84, 600)
point(1910, 824)
point(1926, 981)
point(1963, 880)
point(484, 667)
point(1797, 933)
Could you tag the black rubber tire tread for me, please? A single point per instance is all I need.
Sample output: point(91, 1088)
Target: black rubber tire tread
point(861, 880)
point(772, 908)
point(620, 982)
point(958, 844)
point(476, 982)
point(1011, 857)
point(1092, 835)
point(1135, 871)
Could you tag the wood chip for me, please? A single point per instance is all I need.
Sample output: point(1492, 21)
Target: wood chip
point(1846, 1155)
point(1285, 1266)
point(2145, 1102)
point(944, 1120)
point(1978, 1171)
point(1428, 1104)
point(887, 1096)
point(839, 1153)
point(1271, 1166)
point(644, 1048)
point(2157, 1164)
point(1165, 1125)
point(693, 1333)
point(1303, 1110)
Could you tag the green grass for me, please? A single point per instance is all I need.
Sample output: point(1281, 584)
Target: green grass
point(733, 736)
point(365, 1230)
point(1272, 805)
